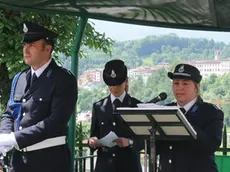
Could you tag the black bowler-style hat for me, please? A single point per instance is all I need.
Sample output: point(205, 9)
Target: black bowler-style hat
point(186, 71)
point(115, 72)
point(34, 32)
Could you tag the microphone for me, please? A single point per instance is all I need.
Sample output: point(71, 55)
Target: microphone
point(160, 97)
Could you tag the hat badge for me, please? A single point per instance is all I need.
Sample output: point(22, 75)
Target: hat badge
point(113, 74)
point(181, 69)
point(25, 29)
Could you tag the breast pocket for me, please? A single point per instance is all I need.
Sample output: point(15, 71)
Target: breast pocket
point(41, 103)
point(40, 99)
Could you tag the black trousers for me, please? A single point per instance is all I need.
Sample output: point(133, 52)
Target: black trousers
point(54, 159)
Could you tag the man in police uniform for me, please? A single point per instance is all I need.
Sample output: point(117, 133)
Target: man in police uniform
point(125, 156)
point(42, 100)
point(207, 120)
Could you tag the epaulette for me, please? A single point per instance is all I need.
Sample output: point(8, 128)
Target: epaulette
point(68, 71)
point(215, 106)
point(101, 101)
point(212, 105)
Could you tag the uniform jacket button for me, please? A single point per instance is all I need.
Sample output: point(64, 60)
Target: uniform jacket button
point(102, 123)
point(113, 155)
point(40, 99)
point(170, 161)
point(24, 114)
point(20, 128)
point(114, 123)
point(170, 147)
point(23, 100)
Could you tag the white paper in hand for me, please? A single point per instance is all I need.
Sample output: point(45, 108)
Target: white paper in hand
point(108, 140)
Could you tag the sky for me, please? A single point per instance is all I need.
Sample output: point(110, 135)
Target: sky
point(124, 32)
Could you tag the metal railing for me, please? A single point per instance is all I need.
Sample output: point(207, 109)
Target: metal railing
point(80, 162)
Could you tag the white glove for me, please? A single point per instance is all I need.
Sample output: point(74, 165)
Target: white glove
point(8, 140)
point(5, 149)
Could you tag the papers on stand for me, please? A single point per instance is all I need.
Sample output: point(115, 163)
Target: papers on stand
point(108, 140)
point(150, 105)
point(153, 106)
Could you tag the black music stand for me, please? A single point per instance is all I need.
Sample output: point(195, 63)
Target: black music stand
point(157, 123)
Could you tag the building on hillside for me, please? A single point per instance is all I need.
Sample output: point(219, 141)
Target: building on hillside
point(162, 65)
point(216, 66)
point(90, 77)
point(145, 72)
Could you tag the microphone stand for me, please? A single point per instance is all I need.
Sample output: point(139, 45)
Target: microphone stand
point(152, 162)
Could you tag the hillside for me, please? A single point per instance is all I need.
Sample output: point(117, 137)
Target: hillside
point(155, 49)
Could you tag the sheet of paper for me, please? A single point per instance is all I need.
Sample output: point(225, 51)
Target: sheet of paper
point(108, 140)
point(150, 105)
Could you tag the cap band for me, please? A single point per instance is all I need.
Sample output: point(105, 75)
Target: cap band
point(181, 74)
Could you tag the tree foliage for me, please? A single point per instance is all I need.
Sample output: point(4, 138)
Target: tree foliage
point(11, 57)
point(152, 50)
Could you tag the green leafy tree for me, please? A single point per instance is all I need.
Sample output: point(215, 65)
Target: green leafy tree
point(11, 60)
point(226, 51)
point(215, 89)
point(87, 97)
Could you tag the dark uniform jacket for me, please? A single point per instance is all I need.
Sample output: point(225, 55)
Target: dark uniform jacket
point(45, 111)
point(194, 155)
point(115, 159)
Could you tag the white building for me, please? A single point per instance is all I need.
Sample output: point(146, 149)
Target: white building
point(145, 71)
point(208, 67)
point(90, 78)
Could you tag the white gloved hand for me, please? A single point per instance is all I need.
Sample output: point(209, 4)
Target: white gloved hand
point(8, 140)
point(5, 149)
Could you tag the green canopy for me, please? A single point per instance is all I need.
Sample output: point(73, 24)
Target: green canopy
point(190, 14)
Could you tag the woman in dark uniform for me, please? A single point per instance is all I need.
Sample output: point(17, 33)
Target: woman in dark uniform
point(125, 156)
point(207, 120)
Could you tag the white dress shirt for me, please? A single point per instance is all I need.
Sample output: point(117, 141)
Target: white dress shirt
point(39, 71)
point(188, 105)
point(121, 97)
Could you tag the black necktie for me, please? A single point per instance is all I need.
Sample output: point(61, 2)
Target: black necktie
point(183, 110)
point(34, 77)
point(116, 103)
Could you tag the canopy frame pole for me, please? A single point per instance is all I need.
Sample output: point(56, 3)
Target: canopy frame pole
point(74, 68)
